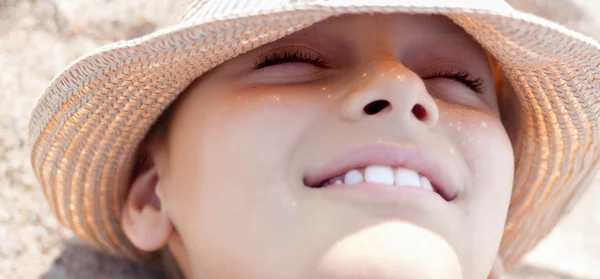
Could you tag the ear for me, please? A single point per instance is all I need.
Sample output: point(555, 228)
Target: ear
point(144, 221)
point(497, 270)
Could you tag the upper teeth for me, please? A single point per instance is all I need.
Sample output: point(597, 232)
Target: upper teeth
point(386, 175)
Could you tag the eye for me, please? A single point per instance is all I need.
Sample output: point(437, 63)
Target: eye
point(290, 55)
point(474, 83)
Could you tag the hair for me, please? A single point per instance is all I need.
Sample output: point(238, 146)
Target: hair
point(159, 130)
point(155, 137)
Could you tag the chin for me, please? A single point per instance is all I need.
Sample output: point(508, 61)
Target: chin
point(392, 250)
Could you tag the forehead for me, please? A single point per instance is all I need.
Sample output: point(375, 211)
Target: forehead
point(408, 31)
point(428, 25)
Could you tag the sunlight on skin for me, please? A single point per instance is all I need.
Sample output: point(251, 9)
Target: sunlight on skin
point(379, 250)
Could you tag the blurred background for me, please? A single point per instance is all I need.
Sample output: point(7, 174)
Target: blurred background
point(38, 38)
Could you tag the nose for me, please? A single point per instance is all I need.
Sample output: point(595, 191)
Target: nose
point(392, 90)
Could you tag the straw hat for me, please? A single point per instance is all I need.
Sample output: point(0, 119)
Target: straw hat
point(89, 121)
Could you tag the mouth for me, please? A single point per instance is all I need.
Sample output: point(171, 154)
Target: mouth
point(386, 166)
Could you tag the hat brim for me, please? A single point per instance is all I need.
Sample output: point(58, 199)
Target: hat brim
point(87, 125)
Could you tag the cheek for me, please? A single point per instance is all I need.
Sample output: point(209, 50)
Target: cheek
point(229, 188)
point(484, 144)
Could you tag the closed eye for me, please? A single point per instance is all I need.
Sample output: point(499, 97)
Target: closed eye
point(289, 55)
point(474, 83)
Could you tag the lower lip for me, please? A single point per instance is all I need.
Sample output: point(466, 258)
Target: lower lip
point(382, 192)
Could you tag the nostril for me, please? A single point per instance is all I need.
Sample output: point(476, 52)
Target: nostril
point(419, 112)
point(376, 107)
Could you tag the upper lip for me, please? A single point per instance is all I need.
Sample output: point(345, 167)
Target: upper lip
point(410, 157)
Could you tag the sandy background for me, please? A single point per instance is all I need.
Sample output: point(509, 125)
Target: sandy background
point(38, 38)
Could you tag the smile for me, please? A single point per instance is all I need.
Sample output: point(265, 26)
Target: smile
point(383, 175)
point(384, 165)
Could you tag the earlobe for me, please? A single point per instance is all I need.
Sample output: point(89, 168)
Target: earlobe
point(144, 221)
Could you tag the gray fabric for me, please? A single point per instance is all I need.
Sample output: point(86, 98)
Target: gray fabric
point(79, 261)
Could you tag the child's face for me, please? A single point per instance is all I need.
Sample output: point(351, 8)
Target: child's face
point(247, 146)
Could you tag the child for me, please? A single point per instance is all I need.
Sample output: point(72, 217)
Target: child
point(325, 139)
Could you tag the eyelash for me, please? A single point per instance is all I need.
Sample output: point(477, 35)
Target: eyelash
point(474, 83)
point(296, 55)
point(289, 56)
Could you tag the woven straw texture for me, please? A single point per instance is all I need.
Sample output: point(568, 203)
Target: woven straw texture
point(89, 121)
